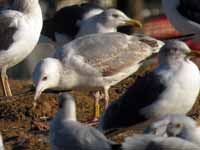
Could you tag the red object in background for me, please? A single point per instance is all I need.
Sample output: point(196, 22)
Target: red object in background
point(161, 28)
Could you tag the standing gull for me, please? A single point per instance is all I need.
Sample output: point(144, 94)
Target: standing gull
point(78, 20)
point(94, 62)
point(171, 88)
point(19, 34)
point(104, 22)
point(183, 14)
point(67, 133)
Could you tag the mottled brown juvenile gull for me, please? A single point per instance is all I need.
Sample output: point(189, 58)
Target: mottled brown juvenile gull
point(19, 33)
point(152, 142)
point(66, 133)
point(184, 15)
point(94, 62)
point(169, 89)
point(106, 21)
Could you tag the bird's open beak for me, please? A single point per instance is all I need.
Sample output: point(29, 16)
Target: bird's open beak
point(193, 53)
point(134, 23)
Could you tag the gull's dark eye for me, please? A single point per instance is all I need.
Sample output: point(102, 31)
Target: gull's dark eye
point(44, 78)
point(178, 125)
point(115, 15)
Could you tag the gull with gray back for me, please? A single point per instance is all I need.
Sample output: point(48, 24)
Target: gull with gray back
point(66, 133)
point(19, 34)
point(172, 88)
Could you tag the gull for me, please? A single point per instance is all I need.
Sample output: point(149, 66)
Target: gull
point(183, 127)
point(19, 34)
point(94, 62)
point(101, 23)
point(105, 22)
point(152, 142)
point(69, 134)
point(78, 20)
point(169, 89)
point(176, 125)
point(184, 15)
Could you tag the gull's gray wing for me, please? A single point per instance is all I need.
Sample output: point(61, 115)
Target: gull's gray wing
point(126, 111)
point(8, 27)
point(79, 137)
point(106, 54)
point(151, 142)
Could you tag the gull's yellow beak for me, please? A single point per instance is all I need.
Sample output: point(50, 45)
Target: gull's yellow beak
point(193, 53)
point(134, 23)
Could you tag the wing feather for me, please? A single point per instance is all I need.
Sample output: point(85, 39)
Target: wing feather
point(109, 53)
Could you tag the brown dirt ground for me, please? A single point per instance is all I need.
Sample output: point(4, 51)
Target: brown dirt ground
point(25, 128)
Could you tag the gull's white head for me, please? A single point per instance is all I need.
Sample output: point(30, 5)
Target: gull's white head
point(115, 18)
point(179, 125)
point(175, 51)
point(46, 75)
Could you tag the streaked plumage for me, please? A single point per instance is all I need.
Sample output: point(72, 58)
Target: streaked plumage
point(96, 61)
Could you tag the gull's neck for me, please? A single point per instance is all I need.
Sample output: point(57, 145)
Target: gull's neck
point(172, 63)
point(28, 7)
point(103, 28)
point(68, 112)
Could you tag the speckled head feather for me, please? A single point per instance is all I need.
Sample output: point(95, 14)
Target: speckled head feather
point(173, 51)
point(178, 123)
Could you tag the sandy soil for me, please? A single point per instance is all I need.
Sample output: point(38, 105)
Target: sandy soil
point(26, 128)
